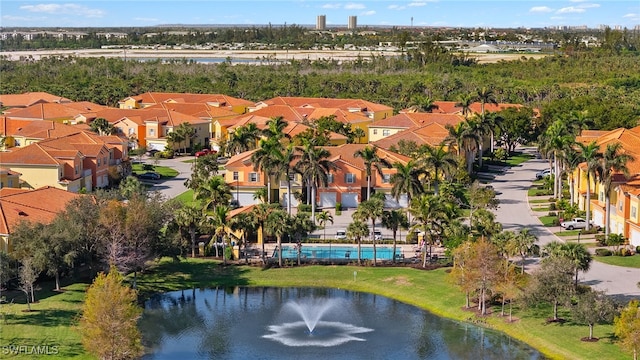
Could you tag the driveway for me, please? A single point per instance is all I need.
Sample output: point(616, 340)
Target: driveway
point(173, 187)
point(514, 214)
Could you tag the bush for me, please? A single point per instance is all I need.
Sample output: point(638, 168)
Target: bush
point(552, 213)
point(600, 239)
point(623, 252)
point(556, 222)
point(552, 206)
point(603, 252)
point(304, 208)
point(338, 206)
point(500, 154)
point(637, 249)
point(593, 230)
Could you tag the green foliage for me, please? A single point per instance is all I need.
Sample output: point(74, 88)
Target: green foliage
point(603, 252)
point(501, 154)
point(109, 319)
point(627, 327)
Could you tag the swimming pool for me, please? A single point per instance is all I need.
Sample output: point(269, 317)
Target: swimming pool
point(338, 252)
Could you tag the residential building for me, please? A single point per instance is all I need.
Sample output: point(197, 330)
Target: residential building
point(39, 206)
point(403, 121)
point(147, 99)
point(346, 185)
point(59, 112)
point(353, 22)
point(30, 98)
point(9, 179)
point(625, 191)
point(321, 22)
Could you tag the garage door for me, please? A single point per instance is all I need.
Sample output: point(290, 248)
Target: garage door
point(328, 199)
point(285, 199)
point(634, 237)
point(245, 199)
point(390, 202)
point(349, 200)
point(598, 218)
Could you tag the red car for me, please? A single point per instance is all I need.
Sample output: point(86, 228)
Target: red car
point(205, 152)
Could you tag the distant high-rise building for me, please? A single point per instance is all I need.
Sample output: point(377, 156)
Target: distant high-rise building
point(321, 22)
point(353, 22)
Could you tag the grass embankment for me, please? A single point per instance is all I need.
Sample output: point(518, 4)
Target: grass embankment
point(164, 171)
point(626, 261)
point(55, 317)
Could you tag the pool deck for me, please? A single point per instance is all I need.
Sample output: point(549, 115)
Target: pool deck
point(407, 250)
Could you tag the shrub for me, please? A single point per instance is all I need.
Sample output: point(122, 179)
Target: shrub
point(556, 222)
point(304, 207)
point(552, 199)
point(600, 239)
point(637, 249)
point(338, 206)
point(593, 230)
point(603, 252)
point(501, 154)
point(552, 206)
point(552, 213)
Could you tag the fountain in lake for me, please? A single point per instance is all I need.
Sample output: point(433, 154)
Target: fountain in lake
point(312, 330)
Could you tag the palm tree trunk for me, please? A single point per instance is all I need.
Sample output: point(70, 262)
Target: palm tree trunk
point(571, 187)
point(607, 205)
point(590, 331)
point(57, 280)
point(373, 226)
point(555, 178)
point(368, 187)
point(394, 246)
point(268, 189)
point(289, 195)
point(313, 203)
point(193, 243)
point(492, 140)
point(587, 226)
point(359, 260)
point(264, 258)
point(480, 154)
point(280, 250)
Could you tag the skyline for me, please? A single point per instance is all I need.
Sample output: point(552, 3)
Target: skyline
point(448, 13)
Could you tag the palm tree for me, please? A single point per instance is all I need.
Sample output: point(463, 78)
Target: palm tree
point(218, 223)
point(283, 165)
point(314, 165)
point(571, 159)
point(266, 159)
point(323, 218)
point(464, 102)
point(455, 137)
point(242, 222)
point(486, 96)
point(556, 139)
point(430, 213)
point(131, 187)
point(186, 132)
point(175, 138)
point(423, 104)
point(276, 225)
point(261, 195)
point(371, 209)
point(189, 218)
point(438, 159)
point(591, 155)
point(215, 191)
point(464, 136)
point(244, 138)
point(521, 244)
point(259, 215)
point(613, 161)
point(406, 180)
point(576, 253)
point(275, 128)
point(369, 155)
point(357, 230)
point(395, 220)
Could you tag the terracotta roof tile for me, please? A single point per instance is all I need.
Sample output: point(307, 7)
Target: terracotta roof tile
point(344, 104)
point(45, 129)
point(432, 134)
point(220, 99)
point(30, 98)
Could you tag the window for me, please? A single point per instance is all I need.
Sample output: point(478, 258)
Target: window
point(375, 131)
point(329, 178)
point(131, 131)
point(634, 212)
point(98, 163)
point(386, 132)
point(619, 205)
point(253, 177)
point(601, 196)
point(77, 169)
point(152, 132)
point(350, 178)
point(10, 183)
point(236, 176)
point(386, 178)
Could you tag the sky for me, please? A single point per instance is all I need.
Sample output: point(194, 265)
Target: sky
point(492, 13)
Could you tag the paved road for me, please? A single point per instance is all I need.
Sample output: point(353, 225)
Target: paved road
point(514, 213)
point(171, 188)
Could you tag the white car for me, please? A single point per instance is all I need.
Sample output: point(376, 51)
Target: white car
point(377, 235)
point(341, 234)
point(543, 174)
point(577, 223)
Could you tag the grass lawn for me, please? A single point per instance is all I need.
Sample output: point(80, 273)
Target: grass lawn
point(548, 220)
point(540, 208)
point(569, 233)
point(164, 171)
point(53, 322)
point(539, 201)
point(534, 191)
point(626, 261)
point(518, 158)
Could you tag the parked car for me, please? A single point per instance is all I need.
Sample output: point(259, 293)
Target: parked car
point(204, 152)
point(234, 204)
point(377, 235)
point(577, 223)
point(150, 175)
point(341, 234)
point(543, 174)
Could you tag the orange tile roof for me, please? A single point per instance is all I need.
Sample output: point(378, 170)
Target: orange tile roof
point(409, 120)
point(346, 153)
point(160, 97)
point(432, 134)
point(9, 126)
point(33, 154)
point(46, 129)
point(52, 111)
point(344, 104)
point(239, 160)
point(287, 112)
point(449, 107)
point(201, 110)
point(30, 98)
point(39, 205)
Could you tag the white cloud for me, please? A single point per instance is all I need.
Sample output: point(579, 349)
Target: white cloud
point(354, 6)
point(631, 15)
point(396, 7)
point(21, 18)
point(57, 9)
point(331, 6)
point(570, 10)
point(557, 18)
point(416, 4)
point(588, 6)
point(540, 9)
point(368, 13)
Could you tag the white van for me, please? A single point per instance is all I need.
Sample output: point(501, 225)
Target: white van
point(341, 234)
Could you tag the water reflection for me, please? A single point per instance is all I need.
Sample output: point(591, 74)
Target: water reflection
point(236, 323)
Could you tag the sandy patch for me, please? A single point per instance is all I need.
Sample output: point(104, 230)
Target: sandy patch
point(398, 280)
